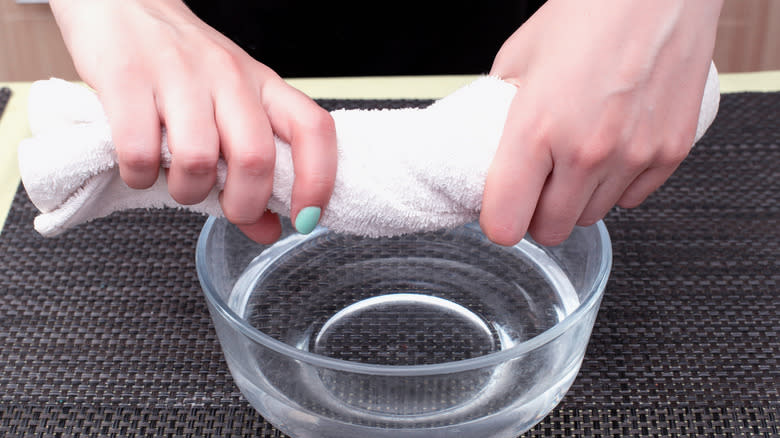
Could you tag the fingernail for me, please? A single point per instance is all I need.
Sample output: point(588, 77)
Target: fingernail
point(307, 219)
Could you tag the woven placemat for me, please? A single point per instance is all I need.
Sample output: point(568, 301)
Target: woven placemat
point(105, 331)
point(5, 94)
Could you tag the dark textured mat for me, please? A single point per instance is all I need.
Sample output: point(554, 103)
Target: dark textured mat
point(5, 94)
point(104, 331)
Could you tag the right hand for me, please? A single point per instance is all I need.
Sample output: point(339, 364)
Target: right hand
point(606, 109)
point(153, 63)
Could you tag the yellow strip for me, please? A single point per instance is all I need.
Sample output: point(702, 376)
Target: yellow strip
point(381, 87)
point(764, 81)
point(13, 128)
point(435, 87)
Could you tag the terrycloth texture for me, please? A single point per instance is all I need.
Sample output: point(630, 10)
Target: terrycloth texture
point(399, 171)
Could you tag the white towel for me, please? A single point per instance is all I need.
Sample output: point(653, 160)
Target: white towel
point(399, 171)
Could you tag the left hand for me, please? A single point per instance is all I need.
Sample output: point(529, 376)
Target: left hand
point(606, 109)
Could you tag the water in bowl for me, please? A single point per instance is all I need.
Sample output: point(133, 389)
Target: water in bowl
point(411, 300)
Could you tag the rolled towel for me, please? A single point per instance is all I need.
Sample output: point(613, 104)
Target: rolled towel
point(399, 171)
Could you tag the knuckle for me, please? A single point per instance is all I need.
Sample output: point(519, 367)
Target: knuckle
point(233, 216)
point(676, 147)
point(175, 57)
point(550, 237)
point(265, 75)
point(541, 142)
point(322, 122)
point(501, 60)
point(607, 140)
point(501, 234)
point(505, 62)
point(241, 215)
point(686, 135)
point(230, 67)
point(221, 58)
point(673, 154)
point(254, 163)
point(138, 181)
point(637, 158)
point(138, 159)
point(550, 229)
point(117, 72)
point(197, 163)
point(631, 201)
point(188, 197)
point(588, 219)
point(590, 157)
point(231, 73)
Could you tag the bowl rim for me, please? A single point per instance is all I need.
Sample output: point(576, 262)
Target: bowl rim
point(592, 299)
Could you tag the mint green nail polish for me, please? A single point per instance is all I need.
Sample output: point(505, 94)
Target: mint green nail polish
point(307, 219)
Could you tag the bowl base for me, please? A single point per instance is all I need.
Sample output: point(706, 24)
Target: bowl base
point(413, 328)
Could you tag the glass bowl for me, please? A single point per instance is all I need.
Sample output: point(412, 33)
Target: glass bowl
point(440, 334)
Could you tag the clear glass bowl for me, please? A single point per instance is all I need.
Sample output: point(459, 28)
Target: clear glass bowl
point(427, 335)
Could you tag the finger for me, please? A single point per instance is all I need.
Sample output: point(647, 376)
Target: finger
point(514, 182)
point(562, 200)
point(188, 114)
point(135, 130)
point(248, 146)
point(606, 195)
point(311, 133)
point(646, 183)
point(603, 199)
point(266, 230)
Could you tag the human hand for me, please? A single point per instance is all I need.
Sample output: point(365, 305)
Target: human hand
point(606, 109)
point(153, 63)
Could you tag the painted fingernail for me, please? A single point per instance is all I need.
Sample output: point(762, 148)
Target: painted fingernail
point(307, 219)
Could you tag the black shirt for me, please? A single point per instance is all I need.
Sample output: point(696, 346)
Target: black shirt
point(348, 38)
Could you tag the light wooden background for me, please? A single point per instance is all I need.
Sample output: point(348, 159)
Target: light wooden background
point(31, 47)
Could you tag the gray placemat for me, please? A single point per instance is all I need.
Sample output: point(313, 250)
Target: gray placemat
point(105, 331)
point(5, 95)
